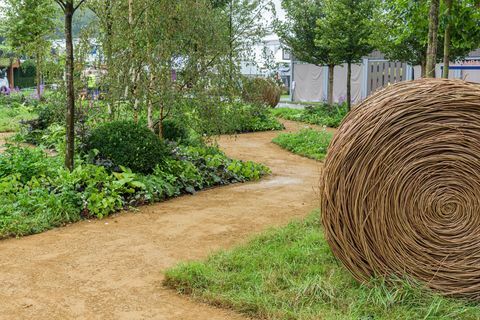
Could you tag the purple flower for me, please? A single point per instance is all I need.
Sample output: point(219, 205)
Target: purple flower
point(5, 90)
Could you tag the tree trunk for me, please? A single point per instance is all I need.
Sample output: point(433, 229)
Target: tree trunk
point(134, 70)
point(38, 75)
point(108, 56)
point(70, 139)
point(331, 69)
point(150, 103)
point(135, 109)
point(349, 85)
point(151, 78)
point(432, 38)
point(446, 44)
point(160, 122)
point(423, 67)
point(230, 28)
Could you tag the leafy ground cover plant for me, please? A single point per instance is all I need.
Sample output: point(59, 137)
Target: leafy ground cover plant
point(290, 273)
point(37, 193)
point(307, 142)
point(321, 114)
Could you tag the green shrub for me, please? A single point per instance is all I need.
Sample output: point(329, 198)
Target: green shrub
point(323, 114)
point(307, 142)
point(173, 130)
point(50, 111)
point(240, 118)
point(127, 144)
point(261, 91)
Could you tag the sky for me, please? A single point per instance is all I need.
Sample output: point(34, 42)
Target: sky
point(278, 7)
point(2, 4)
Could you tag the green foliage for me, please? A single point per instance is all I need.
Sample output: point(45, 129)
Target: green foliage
point(24, 77)
point(28, 68)
point(54, 196)
point(28, 23)
point(290, 273)
point(195, 168)
point(54, 137)
point(307, 142)
point(174, 130)
point(128, 144)
point(402, 30)
point(11, 116)
point(261, 91)
point(50, 114)
point(241, 118)
point(346, 28)
point(299, 32)
point(323, 115)
point(251, 119)
point(27, 26)
point(37, 193)
point(25, 163)
point(51, 111)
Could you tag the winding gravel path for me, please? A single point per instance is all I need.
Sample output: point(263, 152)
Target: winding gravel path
point(112, 268)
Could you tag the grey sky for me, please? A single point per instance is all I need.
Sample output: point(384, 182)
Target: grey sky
point(278, 7)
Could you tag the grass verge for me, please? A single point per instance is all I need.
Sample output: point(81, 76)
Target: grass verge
point(290, 273)
point(307, 142)
point(10, 117)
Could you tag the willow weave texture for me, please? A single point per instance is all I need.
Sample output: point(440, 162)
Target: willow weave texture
point(400, 188)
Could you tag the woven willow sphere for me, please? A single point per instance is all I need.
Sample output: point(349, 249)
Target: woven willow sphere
point(400, 190)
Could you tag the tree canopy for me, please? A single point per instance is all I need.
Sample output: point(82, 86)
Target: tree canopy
point(402, 30)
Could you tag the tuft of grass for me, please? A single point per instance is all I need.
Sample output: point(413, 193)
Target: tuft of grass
point(10, 117)
point(290, 273)
point(307, 142)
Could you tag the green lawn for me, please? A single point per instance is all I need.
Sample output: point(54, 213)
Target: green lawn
point(10, 117)
point(307, 142)
point(290, 273)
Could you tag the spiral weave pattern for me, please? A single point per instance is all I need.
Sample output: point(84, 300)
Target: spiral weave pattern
point(401, 186)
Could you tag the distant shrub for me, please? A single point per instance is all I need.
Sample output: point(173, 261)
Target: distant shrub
point(173, 130)
point(237, 117)
point(323, 114)
point(127, 144)
point(261, 91)
point(250, 118)
point(256, 118)
point(50, 112)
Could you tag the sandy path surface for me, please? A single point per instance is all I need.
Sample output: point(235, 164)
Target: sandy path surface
point(3, 138)
point(112, 269)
